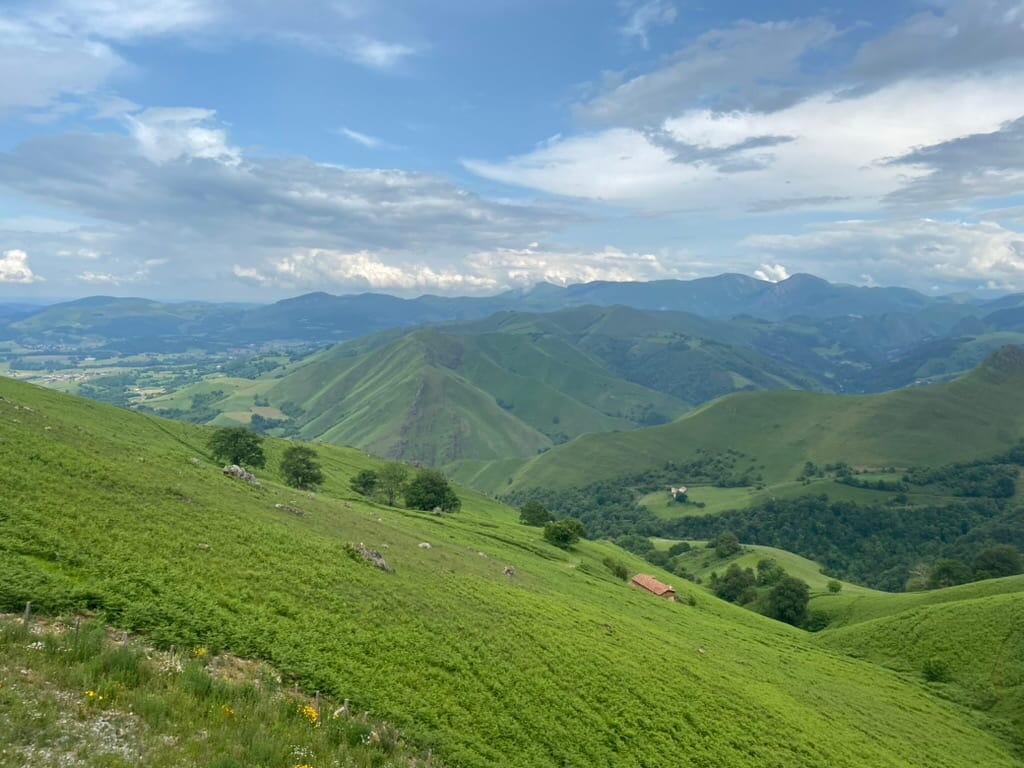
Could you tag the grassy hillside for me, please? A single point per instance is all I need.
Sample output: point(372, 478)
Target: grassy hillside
point(980, 413)
point(438, 397)
point(968, 639)
point(560, 664)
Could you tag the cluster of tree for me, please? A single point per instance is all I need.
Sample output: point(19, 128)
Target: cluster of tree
point(299, 467)
point(991, 563)
point(870, 544)
point(991, 479)
point(610, 508)
point(769, 590)
point(111, 389)
point(427, 490)
point(562, 533)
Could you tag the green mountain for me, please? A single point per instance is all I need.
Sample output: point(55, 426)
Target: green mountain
point(560, 664)
point(978, 414)
point(438, 397)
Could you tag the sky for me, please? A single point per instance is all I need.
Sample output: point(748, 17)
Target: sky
point(248, 150)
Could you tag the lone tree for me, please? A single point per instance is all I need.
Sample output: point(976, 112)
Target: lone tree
point(788, 600)
point(564, 533)
point(391, 480)
point(534, 513)
point(299, 467)
point(237, 445)
point(727, 545)
point(430, 490)
point(365, 482)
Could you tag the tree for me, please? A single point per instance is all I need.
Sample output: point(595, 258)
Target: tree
point(997, 561)
point(734, 584)
point(534, 513)
point(237, 445)
point(300, 468)
point(365, 482)
point(564, 533)
point(788, 600)
point(391, 480)
point(835, 586)
point(430, 490)
point(948, 573)
point(727, 545)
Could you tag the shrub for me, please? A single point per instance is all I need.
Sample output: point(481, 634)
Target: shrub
point(835, 586)
point(935, 670)
point(816, 621)
point(617, 567)
point(788, 600)
point(679, 548)
point(564, 533)
point(365, 482)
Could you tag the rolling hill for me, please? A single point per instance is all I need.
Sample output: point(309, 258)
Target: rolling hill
point(561, 664)
point(980, 413)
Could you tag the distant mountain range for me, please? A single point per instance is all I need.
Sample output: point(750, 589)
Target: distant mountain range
point(133, 324)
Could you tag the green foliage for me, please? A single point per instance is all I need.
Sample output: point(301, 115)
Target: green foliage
point(364, 482)
point(726, 545)
point(788, 600)
point(237, 445)
point(447, 646)
point(564, 533)
point(948, 573)
point(300, 468)
point(936, 670)
point(391, 480)
point(866, 543)
point(430, 489)
point(735, 584)
point(995, 562)
point(835, 586)
point(534, 513)
point(617, 567)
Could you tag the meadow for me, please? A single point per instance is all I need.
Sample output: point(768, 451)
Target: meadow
point(126, 516)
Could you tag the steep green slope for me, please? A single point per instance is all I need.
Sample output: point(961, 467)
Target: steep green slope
point(437, 397)
point(557, 665)
point(979, 414)
point(969, 638)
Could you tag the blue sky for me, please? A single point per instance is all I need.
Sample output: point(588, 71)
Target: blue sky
point(251, 149)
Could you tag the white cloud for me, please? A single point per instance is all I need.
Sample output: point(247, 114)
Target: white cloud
point(831, 151)
point(319, 266)
point(123, 20)
point(644, 16)
point(370, 142)
point(510, 267)
point(166, 134)
point(377, 54)
point(14, 268)
point(918, 252)
point(772, 273)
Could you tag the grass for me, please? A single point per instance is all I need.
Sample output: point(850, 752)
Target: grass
point(981, 413)
point(72, 694)
point(562, 664)
point(967, 641)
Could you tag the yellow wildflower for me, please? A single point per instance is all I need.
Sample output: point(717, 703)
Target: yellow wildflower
point(199, 652)
point(309, 712)
point(90, 694)
point(227, 710)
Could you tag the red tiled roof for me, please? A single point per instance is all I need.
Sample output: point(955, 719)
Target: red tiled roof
point(651, 584)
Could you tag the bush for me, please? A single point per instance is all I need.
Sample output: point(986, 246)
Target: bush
point(835, 586)
point(817, 621)
point(679, 548)
point(734, 583)
point(727, 545)
point(935, 670)
point(617, 567)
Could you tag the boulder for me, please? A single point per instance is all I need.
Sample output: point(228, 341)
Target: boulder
point(235, 471)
